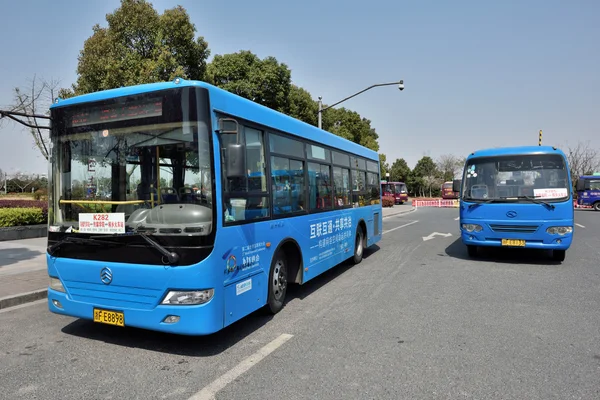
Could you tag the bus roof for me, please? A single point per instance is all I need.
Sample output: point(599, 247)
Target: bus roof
point(507, 151)
point(232, 104)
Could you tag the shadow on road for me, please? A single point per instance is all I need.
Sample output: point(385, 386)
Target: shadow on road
point(502, 255)
point(14, 255)
point(202, 346)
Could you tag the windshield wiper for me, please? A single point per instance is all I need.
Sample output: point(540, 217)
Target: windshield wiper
point(533, 199)
point(479, 202)
point(79, 240)
point(171, 257)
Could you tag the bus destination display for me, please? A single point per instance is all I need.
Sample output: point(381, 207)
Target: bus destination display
point(117, 112)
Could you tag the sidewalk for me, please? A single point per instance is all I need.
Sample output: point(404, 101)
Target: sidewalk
point(23, 276)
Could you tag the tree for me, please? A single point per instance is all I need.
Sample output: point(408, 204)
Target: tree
point(140, 46)
point(383, 165)
point(400, 171)
point(35, 99)
point(583, 160)
point(302, 106)
point(426, 174)
point(450, 166)
point(349, 125)
point(446, 165)
point(265, 81)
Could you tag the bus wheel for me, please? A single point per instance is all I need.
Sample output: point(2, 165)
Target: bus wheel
point(559, 255)
point(359, 245)
point(472, 250)
point(278, 280)
point(597, 206)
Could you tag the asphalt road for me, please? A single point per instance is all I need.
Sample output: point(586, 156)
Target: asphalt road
point(417, 319)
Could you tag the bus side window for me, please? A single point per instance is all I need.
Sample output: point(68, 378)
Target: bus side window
point(246, 197)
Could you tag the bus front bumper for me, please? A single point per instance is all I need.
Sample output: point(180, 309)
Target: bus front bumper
point(540, 239)
point(184, 319)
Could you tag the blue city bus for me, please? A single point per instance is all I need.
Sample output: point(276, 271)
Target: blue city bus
point(213, 204)
point(518, 197)
point(588, 191)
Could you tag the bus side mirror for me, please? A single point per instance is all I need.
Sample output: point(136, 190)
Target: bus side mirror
point(580, 185)
point(236, 161)
point(456, 185)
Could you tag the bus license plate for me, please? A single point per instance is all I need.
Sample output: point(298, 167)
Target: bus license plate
point(109, 317)
point(513, 242)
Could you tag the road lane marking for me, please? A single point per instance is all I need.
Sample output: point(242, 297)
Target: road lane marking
point(209, 392)
point(457, 218)
point(398, 227)
point(579, 225)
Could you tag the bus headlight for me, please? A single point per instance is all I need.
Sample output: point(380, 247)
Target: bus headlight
point(472, 227)
point(56, 284)
point(188, 297)
point(559, 230)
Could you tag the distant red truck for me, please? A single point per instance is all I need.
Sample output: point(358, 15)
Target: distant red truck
point(397, 190)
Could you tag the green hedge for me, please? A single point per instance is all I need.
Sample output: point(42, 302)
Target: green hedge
point(10, 217)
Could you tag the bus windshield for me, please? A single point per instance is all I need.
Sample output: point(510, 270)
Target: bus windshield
point(133, 164)
point(516, 178)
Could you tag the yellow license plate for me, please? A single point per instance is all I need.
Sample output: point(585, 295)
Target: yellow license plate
point(109, 317)
point(513, 242)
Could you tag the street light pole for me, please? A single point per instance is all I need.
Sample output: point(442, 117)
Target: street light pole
point(320, 115)
point(321, 109)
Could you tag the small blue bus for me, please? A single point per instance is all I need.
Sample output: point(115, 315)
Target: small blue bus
point(588, 191)
point(518, 197)
point(211, 205)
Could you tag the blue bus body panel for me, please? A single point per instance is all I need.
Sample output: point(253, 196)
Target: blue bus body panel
point(527, 221)
point(530, 224)
point(238, 267)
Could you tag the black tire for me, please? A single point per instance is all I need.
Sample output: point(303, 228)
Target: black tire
point(472, 250)
point(359, 245)
point(597, 206)
point(278, 282)
point(559, 255)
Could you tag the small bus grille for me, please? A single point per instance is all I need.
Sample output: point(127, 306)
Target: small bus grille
point(514, 228)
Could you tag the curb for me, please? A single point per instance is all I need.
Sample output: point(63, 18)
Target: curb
point(400, 213)
point(21, 298)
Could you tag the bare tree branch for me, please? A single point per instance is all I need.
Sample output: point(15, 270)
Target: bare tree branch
point(583, 159)
point(37, 96)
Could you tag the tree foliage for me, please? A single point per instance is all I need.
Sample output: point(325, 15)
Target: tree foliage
point(265, 81)
point(399, 171)
point(140, 46)
point(384, 166)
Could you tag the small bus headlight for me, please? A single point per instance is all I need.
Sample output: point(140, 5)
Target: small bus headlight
point(559, 230)
point(472, 227)
point(188, 297)
point(56, 284)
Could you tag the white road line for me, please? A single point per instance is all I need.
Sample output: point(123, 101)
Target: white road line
point(579, 225)
point(398, 227)
point(209, 392)
point(457, 218)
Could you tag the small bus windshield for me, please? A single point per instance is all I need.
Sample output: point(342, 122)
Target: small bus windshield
point(516, 177)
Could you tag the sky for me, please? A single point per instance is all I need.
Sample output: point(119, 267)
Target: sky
point(477, 74)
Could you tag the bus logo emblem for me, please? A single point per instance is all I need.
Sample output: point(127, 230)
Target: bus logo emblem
point(231, 263)
point(106, 275)
point(511, 214)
